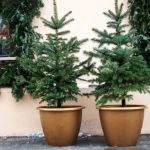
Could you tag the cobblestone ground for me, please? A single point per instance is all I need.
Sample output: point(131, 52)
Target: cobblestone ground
point(83, 143)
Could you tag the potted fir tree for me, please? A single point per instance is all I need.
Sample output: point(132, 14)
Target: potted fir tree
point(121, 72)
point(54, 72)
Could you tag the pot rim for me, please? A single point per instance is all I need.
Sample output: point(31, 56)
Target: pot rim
point(119, 107)
point(63, 108)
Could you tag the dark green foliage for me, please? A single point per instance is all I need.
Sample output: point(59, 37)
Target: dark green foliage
point(121, 70)
point(1, 6)
point(18, 14)
point(20, 10)
point(56, 68)
point(13, 75)
point(140, 20)
point(4, 50)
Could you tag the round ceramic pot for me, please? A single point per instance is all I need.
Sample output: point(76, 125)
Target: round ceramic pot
point(61, 125)
point(121, 125)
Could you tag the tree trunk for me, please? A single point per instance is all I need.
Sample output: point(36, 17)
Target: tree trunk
point(59, 104)
point(123, 103)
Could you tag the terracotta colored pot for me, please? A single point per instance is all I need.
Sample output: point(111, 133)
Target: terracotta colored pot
point(121, 125)
point(61, 125)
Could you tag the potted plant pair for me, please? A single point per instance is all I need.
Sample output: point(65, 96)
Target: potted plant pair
point(121, 71)
point(54, 72)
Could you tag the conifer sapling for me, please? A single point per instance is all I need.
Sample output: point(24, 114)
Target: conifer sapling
point(121, 70)
point(56, 68)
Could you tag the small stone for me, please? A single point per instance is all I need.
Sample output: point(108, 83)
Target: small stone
point(5, 137)
point(80, 134)
point(89, 135)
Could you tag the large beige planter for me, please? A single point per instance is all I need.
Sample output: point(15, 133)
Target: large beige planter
point(61, 125)
point(121, 125)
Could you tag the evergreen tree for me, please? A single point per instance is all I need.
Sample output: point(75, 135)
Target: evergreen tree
point(56, 68)
point(140, 20)
point(121, 70)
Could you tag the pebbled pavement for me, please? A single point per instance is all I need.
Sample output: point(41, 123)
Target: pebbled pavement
point(84, 142)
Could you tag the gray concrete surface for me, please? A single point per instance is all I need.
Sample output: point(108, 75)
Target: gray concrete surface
point(84, 143)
